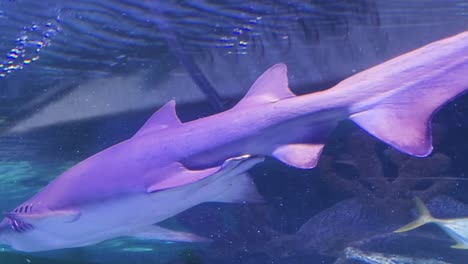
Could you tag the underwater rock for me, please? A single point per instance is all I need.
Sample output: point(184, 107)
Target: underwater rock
point(352, 223)
point(382, 177)
point(335, 228)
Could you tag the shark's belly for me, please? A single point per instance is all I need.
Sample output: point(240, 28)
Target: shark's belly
point(115, 218)
point(125, 216)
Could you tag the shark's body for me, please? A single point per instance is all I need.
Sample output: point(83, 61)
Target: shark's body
point(169, 166)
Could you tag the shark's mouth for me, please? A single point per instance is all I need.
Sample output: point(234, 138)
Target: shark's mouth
point(16, 224)
point(20, 226)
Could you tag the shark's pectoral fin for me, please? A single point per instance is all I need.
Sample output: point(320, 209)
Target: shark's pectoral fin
point(45, 218)
point(159, 233)
point(241, 163)
point(303, 156)
point(232, 184)
point(236, 188)
point(227, 183)
point(179, 175)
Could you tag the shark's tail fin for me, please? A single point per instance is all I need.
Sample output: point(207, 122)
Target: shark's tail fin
point(399, 97)
point(423, 218)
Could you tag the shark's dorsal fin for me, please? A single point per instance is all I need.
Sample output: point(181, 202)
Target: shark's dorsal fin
point(271, 86)
point(165, 117)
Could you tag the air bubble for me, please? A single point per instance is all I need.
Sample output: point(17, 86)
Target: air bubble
point(29, 44)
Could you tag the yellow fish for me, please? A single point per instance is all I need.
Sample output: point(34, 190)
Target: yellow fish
point(456, 228)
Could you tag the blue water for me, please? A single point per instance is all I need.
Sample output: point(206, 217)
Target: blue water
point(79, 76)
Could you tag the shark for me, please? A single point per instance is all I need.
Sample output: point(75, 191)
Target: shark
point(168, 166)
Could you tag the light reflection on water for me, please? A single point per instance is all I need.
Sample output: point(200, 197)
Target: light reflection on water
point(23, 170)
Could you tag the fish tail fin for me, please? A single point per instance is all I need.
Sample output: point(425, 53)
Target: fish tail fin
point(459, 246)
point(400, 96)
point(424, 217)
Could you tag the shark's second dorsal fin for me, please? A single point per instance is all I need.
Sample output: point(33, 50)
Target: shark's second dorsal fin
point(271, 86)
point(165, 117)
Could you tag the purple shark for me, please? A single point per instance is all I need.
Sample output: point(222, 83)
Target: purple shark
point(169, 166)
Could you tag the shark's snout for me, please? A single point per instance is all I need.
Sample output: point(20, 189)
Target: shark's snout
point(4, 229)
point(4, 225)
